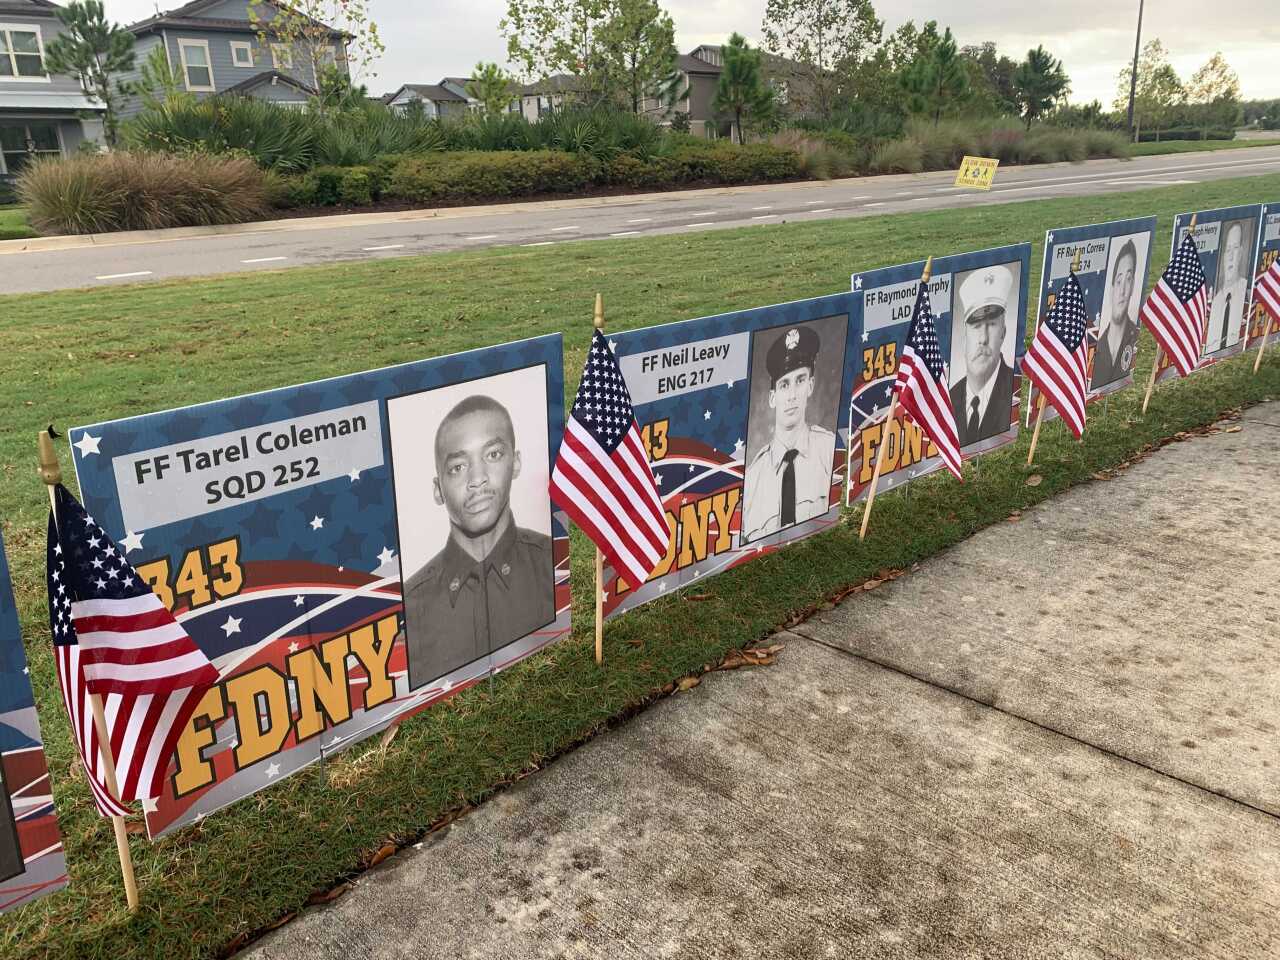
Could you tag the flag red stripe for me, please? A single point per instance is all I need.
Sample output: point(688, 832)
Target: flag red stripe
point(609, 472)
point(1058, 375)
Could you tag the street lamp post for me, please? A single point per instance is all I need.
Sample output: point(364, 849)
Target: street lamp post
point(1133, 74)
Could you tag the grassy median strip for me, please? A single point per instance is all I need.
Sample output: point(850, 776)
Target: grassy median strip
point(79, 356)
point(1196, 146)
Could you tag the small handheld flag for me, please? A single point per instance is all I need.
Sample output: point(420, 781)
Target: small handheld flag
point(1057, 359)
point(1267, 290)
point(113, 638)
point(1177, 308)
point(601, 477)
point(921, 387)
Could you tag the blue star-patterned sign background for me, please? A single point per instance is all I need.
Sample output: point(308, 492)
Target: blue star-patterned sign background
point(885, 331)
point(700, 432)
point(313, 558)
point(1101, 243)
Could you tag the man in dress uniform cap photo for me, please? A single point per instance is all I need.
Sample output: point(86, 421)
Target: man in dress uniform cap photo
point(982, 398)
point(1230, 292)
point(493, 582)
point(789, 480)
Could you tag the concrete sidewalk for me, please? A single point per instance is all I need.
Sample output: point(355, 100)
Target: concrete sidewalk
point(1056, 740)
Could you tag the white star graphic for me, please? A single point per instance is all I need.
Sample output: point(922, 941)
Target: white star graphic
point(132, 541)
point(739, 448)
point(662, 587)
point(354, 474)
point(730, 384)
point(657, 478)
point(293, 646)
point(857, 283)
point(865, 336)
point(613, 345)
point(706, 414)
point(232, 625)
point(87, 444)
point(273, 771)
point(100, 583)
point(386, 556)
point(317, 523)
point(298, 601)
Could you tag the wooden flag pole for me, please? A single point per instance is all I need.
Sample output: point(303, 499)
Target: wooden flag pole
point(1155, 367)
point(51, 473)
point(599, 325)
point(1076, 262)
point(1035, 434)
point(1262, 346)
point(893, 407)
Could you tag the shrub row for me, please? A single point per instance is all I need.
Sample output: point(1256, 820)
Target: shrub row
point(461, 176)
point(87, 193)
point(941, 147)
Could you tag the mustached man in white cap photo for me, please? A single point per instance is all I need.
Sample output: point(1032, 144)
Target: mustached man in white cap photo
point(983, 396)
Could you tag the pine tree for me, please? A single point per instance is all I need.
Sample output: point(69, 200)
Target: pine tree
point(1039, 83)
point(92, 50)
point(741, 92)
point(937, 81)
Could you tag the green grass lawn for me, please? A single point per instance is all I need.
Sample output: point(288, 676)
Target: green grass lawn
point(13, 224)
point(1197, 146)
point(79, 356)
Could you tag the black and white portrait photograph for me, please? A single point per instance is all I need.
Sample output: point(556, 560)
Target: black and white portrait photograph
point(1118, 329)
point(1231, 285)
point(795, 395)
point(983, 328)
point(470, 467)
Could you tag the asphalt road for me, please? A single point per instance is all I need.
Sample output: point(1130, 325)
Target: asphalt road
point(538, 224)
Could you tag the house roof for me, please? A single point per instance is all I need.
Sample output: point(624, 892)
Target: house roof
point(270, 77)
point(32, 8)
point(557, 83)
point(688, 63)
point(188, 15)
point(428, 91)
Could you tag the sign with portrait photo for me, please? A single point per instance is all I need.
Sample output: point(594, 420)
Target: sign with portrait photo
point(1228, 243)
point(1260, 319)
point(1115, 261)
point(743, 422)
point(346, 552)
point(31, 858)
point(980, 302)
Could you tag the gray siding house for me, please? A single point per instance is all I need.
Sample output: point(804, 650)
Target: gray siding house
point(437, 99)
point(214, 49)
point(40, 115)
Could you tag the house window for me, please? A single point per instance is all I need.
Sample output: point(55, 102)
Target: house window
point(194, 55)
point(241, 53)
point(282, 56)
point(21, 52)
point(19, 142)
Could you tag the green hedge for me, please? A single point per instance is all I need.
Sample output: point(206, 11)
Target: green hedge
point(491, 175)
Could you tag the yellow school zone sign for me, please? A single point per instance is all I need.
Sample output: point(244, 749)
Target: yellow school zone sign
point(977, 172)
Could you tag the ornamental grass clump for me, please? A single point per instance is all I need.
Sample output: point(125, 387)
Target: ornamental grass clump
point(140, 191)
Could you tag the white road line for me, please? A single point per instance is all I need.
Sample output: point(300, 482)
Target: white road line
point(946, 189)
point(264, 259)
point(121, 276)
point(904, 193)
point(705, 223)
point(1157, 183)
point(810, 203)
point(560, 229)
point(484, 236)
point(641, 220)
point(385, 246)
point(540, 243)
point(765, 216)
point(704, 213)
point(823, 210)
point(762, 208)
point(625, 233)
point(864, 197)
point(879, 203)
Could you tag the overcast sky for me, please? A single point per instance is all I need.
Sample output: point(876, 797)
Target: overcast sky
point(429, 39)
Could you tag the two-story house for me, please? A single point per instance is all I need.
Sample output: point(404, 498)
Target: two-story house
point(214, 48)
point(40, 115)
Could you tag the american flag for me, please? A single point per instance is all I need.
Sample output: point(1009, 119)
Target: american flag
point(1057, 359)
point(602, 478)
point(1267, 289)
point(1177, 309)
point(921, 386)
point(112, 637)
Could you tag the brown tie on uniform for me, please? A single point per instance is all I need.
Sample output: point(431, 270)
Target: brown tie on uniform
point(789, 488)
